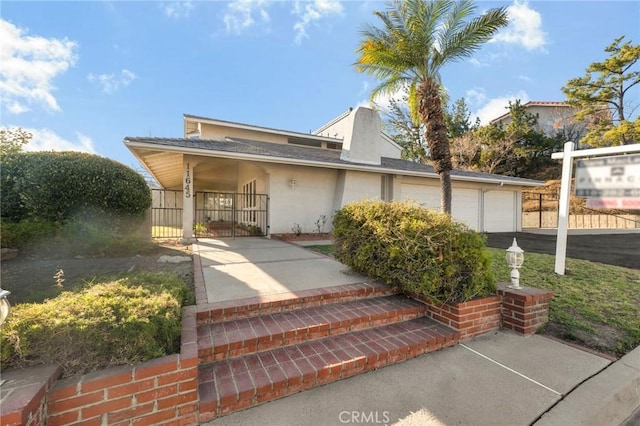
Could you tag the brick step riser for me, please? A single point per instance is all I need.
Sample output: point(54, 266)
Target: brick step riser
point(223, 311)
point(294, 336)
point(250, 396)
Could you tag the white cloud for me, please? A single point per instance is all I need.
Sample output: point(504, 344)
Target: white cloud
point(475, 96)
point(476, 63)
point(47, 140)
point(524, 78)
point(525, 27)
point(311, 12)
point(28, 65)
point(496, 107)
point(110, 83)
point(177, 9)
point(239, 15)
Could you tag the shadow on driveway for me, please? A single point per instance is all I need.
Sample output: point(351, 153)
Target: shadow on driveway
point(612, 249)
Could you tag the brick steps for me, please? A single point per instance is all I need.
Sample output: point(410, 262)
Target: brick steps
point(284, 302)
point(254, 334)
point(234, 384)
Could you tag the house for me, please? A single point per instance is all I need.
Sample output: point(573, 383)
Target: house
point(553, 118)
point(270, 181)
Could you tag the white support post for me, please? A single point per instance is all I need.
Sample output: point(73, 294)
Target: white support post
point(187, 201)
point(563, 208)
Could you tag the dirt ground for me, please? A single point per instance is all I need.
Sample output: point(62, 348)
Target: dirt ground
point(612, 249)
point(22, 272)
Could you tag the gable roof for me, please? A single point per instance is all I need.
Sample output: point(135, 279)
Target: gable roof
point(246, 149)
point(532, 104)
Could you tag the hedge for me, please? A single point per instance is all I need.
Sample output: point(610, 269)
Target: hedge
point(419, 250)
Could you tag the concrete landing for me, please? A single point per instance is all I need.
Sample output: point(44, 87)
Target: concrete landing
point(248, 267)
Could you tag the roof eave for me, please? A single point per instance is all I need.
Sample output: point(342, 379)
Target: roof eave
point(312, 163)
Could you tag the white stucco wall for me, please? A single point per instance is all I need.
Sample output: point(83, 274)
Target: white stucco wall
point(389, 149)
point(360, 186)
point(303, 203)
point(211, 131)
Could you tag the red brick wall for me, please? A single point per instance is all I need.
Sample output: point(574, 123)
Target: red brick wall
point(471, 318)
point(525, 310)
point(160, 391)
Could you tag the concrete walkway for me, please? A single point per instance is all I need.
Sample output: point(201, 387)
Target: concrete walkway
point(497, 379)
point(248, 267)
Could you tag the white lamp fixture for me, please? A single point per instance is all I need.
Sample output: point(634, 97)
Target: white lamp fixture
point(292, 183)
point(515, 258)
point(5, 306)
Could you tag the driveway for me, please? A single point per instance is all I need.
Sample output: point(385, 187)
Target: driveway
point(609, 248)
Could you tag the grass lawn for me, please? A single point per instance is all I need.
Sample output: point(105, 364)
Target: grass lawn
point(594, 304)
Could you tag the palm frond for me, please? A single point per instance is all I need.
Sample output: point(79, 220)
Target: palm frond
point(467, 40)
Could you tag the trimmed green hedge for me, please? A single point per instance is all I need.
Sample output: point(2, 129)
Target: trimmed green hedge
point(131, 319)
point(57, 186)
point(416, 249)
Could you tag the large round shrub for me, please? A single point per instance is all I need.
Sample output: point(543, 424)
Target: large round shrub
point(59, 185)
point(419, 250)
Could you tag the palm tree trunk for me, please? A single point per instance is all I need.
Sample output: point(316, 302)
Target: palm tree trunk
point(430, 109)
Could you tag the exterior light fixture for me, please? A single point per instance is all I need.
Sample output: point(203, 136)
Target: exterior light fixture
point(5, 306)
point(515, 258)
point(292, 183)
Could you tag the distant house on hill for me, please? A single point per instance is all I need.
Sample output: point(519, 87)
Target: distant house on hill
point(553, 118)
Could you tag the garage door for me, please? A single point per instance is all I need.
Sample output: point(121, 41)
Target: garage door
point(426, 196)
point(465, 206)
point(499, 211)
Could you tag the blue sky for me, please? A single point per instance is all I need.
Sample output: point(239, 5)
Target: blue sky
point(84, 75)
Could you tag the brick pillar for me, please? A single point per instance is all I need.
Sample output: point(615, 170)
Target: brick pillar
point(524, 311)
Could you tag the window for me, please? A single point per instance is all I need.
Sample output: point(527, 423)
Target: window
point(249, 193)
point(386, 188)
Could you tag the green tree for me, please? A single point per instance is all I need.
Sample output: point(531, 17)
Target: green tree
point(601, 96)
point(416, 40)
point(403, 130)
point(519, 148)
point(457, 118)
point(13, 139)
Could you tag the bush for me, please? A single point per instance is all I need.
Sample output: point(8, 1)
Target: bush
point(131, 319)
point(416, 249)
point(22, 234)
point(57, 186)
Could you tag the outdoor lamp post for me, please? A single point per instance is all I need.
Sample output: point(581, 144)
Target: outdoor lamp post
point(515, 258)
point(5, 306)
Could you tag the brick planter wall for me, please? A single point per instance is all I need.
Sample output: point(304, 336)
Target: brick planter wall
point(524, 311)
point(163, 390)
point(471, 319)
point(23, 396)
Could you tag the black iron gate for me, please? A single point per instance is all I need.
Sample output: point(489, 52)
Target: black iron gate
point(166, 213)
point(231, 214)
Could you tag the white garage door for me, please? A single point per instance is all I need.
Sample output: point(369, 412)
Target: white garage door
point(426, 196)
point(499, 211)
point(465, 206)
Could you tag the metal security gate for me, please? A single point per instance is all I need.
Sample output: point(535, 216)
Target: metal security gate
point(166, 213)
point(231, 214)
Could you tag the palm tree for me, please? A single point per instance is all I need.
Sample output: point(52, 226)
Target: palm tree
point(416, 40)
